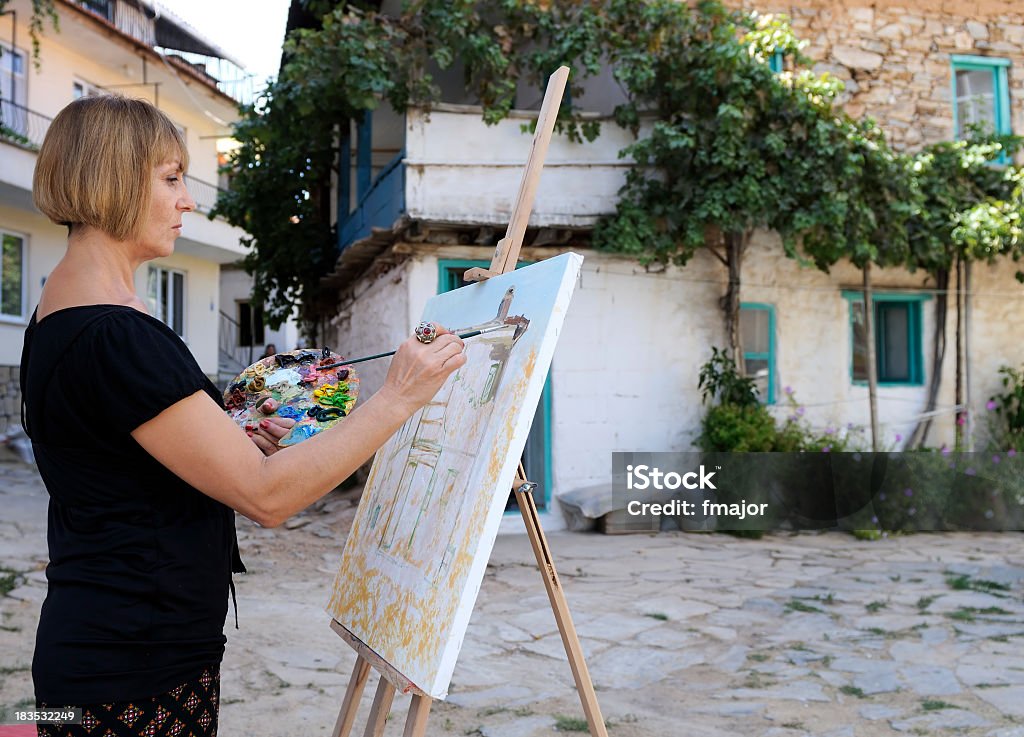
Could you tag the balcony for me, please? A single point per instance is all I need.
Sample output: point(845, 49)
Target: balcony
point(204, 193)
point(177, 42)
point(454, 170)
point(380, 207)
point(21, 126)
point(461, 171)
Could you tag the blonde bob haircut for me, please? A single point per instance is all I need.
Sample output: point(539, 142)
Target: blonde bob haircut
point(96, 164)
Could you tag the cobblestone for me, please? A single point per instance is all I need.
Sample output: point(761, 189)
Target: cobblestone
point(813, 634)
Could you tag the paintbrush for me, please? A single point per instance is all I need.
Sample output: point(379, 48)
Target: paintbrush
point(470, 334)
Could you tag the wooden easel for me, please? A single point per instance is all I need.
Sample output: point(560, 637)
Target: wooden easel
point(505, 257)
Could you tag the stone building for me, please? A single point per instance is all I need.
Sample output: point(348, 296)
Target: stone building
point(422, 199)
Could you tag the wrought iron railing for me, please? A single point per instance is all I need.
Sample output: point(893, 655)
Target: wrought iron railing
point(232, 357)
point(21, 126)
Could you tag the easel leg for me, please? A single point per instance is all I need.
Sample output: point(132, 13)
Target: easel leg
point(416, 722)
point(380, 709)
point(560, 607)
point(350, 704)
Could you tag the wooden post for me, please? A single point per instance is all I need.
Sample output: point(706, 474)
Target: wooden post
point(380, 709)
point(559, 605)
point(416, 722)
point(507, 253)
point(349, 705)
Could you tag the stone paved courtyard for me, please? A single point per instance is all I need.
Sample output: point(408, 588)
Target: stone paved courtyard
point(685, 634)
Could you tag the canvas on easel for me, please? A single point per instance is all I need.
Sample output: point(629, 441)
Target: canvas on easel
point(415, 557)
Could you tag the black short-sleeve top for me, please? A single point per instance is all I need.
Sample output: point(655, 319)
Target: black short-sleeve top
point(140, 562)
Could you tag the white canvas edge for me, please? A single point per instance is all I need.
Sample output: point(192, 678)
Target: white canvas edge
point(474, 579)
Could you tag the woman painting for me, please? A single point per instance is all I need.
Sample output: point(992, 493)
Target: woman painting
point(144, 469)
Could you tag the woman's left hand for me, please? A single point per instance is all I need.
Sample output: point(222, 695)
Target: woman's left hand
point(269, 432)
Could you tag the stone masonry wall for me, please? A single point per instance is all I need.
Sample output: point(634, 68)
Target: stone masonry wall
point(894, 55)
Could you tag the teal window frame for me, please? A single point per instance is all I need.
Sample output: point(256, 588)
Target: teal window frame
point(915, 334)
point(9, 279)
point(777, 62)
point(762, 356)
point(446, 282)
point(999, 68)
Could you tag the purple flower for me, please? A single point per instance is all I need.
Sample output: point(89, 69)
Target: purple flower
point(829, 430)
point(990, 405)
point(1011, 452)
point(826, 449)
point(908, 492)
point(800, 411)
point(961, 420)
point(874, 520)
point(996, 459)
point(898, 437)
point(945, 450)
point(788, 390)
point(849, 425)
point(970, 471)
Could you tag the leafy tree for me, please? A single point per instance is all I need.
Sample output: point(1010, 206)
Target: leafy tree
point(735, 147)
point(970, 209)
point(356, 61)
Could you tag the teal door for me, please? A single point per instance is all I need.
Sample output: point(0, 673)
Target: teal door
point(537, 454)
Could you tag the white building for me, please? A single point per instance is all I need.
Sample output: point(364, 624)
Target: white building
point(426, 195)
point(133, 49)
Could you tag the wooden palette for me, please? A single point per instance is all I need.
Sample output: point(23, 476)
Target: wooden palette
point(315, 399)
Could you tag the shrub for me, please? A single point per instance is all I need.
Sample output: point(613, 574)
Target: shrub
point(740, 423)
point(732, 427)
point(1007, 421)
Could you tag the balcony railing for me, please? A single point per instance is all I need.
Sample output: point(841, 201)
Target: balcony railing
point(204, 193)
point(21, 126)
point(380, 207)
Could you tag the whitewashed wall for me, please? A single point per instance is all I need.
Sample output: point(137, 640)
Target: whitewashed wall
point(996, 334)
point(460, 171)
point(376, 322)
point(625, 372)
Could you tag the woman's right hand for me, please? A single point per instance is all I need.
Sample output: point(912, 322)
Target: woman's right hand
point(418, 370)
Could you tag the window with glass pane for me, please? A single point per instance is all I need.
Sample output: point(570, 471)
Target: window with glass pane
point(757, 340)
point(99, 7)
point(975, 99)
point(81, 89)
point(13, 92)
point(981, 95)
point(897, 340)
point(12, 276)
point(166, 294)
